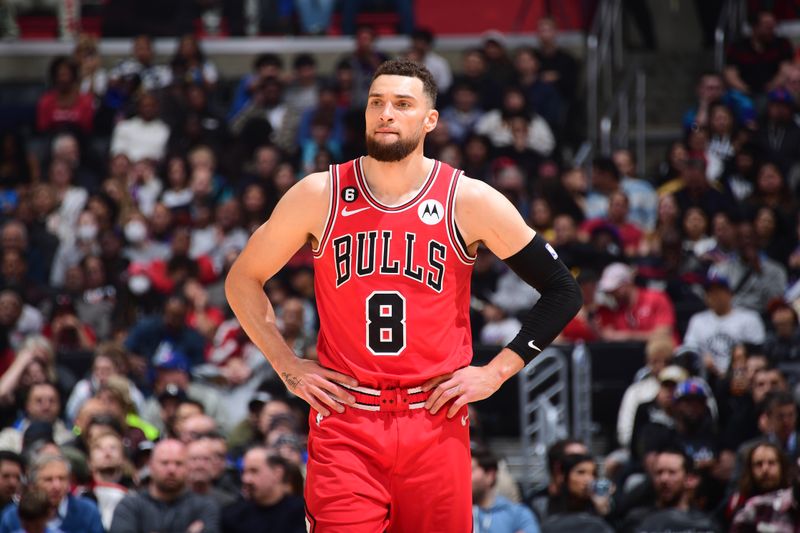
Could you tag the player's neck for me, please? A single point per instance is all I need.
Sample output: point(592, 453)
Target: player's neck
point(398, 181)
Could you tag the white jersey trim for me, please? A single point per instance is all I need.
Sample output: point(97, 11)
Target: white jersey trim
point(361, 181)
point(330, 218)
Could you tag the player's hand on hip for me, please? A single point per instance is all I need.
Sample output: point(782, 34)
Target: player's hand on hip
point(468, 384)
point(316, 385)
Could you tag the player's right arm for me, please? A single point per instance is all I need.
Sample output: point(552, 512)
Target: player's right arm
point(298, 218)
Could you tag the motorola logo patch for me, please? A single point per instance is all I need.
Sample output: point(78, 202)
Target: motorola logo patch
point(430, 212)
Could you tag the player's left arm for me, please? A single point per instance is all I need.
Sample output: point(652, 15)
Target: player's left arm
point(484, 216)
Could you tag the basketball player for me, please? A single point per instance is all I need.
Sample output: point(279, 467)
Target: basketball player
point(394, 236)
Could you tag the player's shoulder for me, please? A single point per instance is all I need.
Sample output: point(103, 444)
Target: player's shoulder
point(474, 193)
point(314, 186)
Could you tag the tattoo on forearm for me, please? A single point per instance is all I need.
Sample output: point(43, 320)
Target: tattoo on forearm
point(291, 381)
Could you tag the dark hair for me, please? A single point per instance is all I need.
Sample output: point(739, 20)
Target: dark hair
point(485, 459)
point(57, 63)
point(33, 505)
point(747, 484)
point(193, 402)
point(606, 164)
point(555, 453)
point(773, 400)
point(12, 457)
point(411, 69)
point(672, 449)
point(423, 34)
point(304, 60)
point(267, 60)
point(291, 472)
point(104, 420)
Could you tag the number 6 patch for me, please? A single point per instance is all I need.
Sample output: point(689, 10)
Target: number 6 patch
point(386, 323)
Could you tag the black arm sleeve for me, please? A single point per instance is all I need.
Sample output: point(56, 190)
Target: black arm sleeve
point(539, 266)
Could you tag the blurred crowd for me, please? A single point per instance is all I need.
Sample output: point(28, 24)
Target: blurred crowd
point(131, 399)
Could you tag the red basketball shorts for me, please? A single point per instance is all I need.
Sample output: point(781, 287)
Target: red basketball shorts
point(400, 472)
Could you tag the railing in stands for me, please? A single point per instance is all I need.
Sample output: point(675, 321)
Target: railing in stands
point(732, 20)
point(555, 395)
point(612, 95)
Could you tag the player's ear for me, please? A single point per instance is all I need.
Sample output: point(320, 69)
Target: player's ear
point(431, 120)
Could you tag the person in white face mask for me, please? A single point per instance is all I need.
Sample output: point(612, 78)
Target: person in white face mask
point(141, 247)
point(71, 252)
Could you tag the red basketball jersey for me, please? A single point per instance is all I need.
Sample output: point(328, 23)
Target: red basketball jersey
point(392, 282)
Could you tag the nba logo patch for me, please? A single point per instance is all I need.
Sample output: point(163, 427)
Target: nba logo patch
point(551, 250)
point(430, 212)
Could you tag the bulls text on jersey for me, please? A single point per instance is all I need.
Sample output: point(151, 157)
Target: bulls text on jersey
point(358, 254)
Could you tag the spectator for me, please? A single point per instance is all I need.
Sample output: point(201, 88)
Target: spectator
point(143, 136)
point(463, 113)
point(265, 66)
point(743, 424)
point(50, 475)
point(716, 331)
point(199, 69)
point(766, 469)
point(363, 61)
point(65, 147)
point(166, 504)
point(711, 89)
point(69, 200)
point(782, 344)
point(779, 135)
point(93, 77)
point(109, 360)
point(172, 380)
point(617, 218)
point(577, 495)
point(557, 66)
point(654, 419)
point(18, 318)
point(641, 195)
point(247, 433)
point(42, 405)
point(498, 63)
point(773, 510)
point(64, 107)
point(166, 333)
point(695, 189)
point(267, 501)
point(34, 513)
point(658, 353)
point(638, 313)
point(302, 93)
point(150, 76)
point(542, 98)
point(753, 64)
point(497, 124)
point(11, 470)
point(474, 71)
point(199, 453)
point(493, 513)
point(777, 420)
point(422, 40)
point(755, 278)
point(110, 474)
point(675, 484)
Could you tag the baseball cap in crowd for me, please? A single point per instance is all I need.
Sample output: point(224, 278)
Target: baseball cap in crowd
point(691, 388)
point(615, 276)
point(780, 95)
point(494, 36)
point(172, 392)
point(170, 359)
point(258, 400)
point(673, 373)
point(716, 280)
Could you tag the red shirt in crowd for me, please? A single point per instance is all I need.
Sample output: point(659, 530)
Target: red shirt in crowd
point(50, 116)
point(649, 310)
